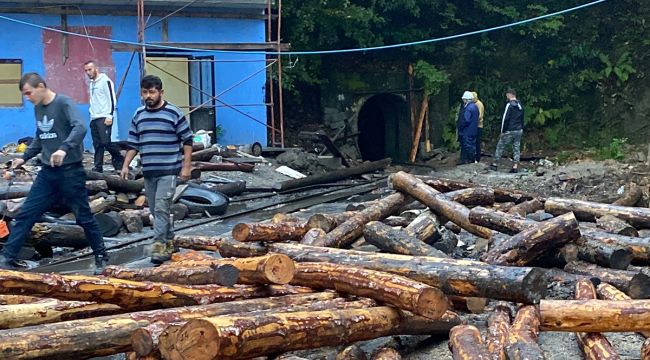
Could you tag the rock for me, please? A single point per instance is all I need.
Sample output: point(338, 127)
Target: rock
point(540, 171)
point(641, 157)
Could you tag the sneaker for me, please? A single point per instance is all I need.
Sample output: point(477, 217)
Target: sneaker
point(162, 252)
point(6, 264)
point(101, 261)
point(493, 167)
point(514, 170)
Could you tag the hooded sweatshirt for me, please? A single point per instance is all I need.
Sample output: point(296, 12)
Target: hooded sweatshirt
point(513, 117)
point(102, 97)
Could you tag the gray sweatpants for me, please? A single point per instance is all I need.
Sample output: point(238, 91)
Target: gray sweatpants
point(160, 192)
point(509, 137)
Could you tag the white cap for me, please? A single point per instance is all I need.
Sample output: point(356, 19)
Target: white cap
point(467, 95)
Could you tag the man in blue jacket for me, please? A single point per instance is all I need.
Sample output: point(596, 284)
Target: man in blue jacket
point(512, 125)
point(468, 128)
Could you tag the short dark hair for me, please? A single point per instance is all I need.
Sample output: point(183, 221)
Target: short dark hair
point(151, 81)
point(511, 91)
point(33, 79)
point(90, 62)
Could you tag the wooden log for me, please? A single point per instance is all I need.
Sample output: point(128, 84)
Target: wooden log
point(229, 189)
point(287, 231)
point(347, 232)
point(424, 227)
point(127, 294)
point(387, 354)
point(497, 334)
point(224, 166)
point(465, 343)
point(605, 254)
point(645, 350)
point(51, 310)
point(144, 214)
point(19, 299)
point(631, 196)
point(132, 221)
point(472, 304)
point(526, 208)
point(500, 195)
point(332, 176)
point(635, 284)
point(453, 227)
point(395, 241)
point(589, 211)
point(191, 255)
point(615, 225)
point(531, 243)
point(453, 277)
point(102, 204)
point(95, 186)
point(206, 154)
point(608, 292)
point(231, 248)
point(440, 205)
point(522, 337)
point(140, 201)
point(233, 337)
point(226, 275)
point(352, 352)
point(63, 235)
point(116, 183)
point(594, 346)
point(328, 222)
point(108, 335)
point(396, 221)
point(473, 196)
point(267, 269)
point(283, 218)
point(499, 221)
point(227, 248)
point(312, 236)
point(397, 291)
point(595, 315)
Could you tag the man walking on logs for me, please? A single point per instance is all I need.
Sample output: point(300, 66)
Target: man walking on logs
point(162, 136)
point(102, 114)
point(59, 135)
point(512, 126)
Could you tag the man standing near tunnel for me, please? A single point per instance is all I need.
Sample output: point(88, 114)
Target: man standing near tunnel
point(512, 125)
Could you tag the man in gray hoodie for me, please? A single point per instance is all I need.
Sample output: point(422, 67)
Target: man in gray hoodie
point(102, 114)
point(59, 135)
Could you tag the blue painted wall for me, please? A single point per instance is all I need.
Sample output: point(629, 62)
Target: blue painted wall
point(25, 43)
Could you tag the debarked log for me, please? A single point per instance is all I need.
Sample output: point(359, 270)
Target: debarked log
point(109, 335)
point(51, 310)
point(521, 343)
point(286, 231)
point(267, 269)
point(396, 241)
point(465, 343)
point(453, 277)
point(608, 292)
point(595, 315)
point(226, 275)
point(398, 291)
point(498, 329)
point(594, 346)
point(440, 205)
point(635, 284)
point(589, 211)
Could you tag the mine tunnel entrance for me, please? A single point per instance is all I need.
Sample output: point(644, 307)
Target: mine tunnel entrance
point(384, 128)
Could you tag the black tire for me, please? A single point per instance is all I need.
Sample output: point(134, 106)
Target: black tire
point(200, 200)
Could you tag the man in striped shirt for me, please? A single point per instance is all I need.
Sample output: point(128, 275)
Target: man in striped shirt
point(162, 136)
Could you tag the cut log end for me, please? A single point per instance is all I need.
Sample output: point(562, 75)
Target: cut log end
point(432, 303)
point(226, 274)
point(142, 342)
point(241, 232)
point(197, 340)
point(620, 259)
point(279, 268)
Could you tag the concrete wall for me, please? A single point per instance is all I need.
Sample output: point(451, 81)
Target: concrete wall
point(26, 43)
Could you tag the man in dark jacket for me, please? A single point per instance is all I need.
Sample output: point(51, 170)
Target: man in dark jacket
point(512, 125)
point(468, 128)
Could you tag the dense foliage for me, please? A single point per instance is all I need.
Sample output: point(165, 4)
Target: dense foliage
point(575, 73)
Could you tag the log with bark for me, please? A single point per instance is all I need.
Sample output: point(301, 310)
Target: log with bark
point(51, 310)
point(267, 269)
point(386, 354)
point(116, 183)
point(589, 211)
point(635, 284)
point(132, 221)
point(497, 334)
point(615, 225)
point(499, 221)
point(465, 343)
point(129, 295)
point(144, 214)
point(594, 346)
point(595, 315)
point(468, 304)
point(521, 343)
point(191, 255)
point(229, 189)
point(226, 247)
point(335, 175)
point(235, 337)
point(96, 186)
point(328, 222)
point(608, 292)
point(631, 196)
point(500, 195)
point(526, 208)
point(347, 232)
point(605, 254)
point(424, 227)
point(533, 242)
point(231, 248)
point(352, 352)
point(286, 231)
point(19, 299)
point(223, 166)
point(63, 235)
point(102, 204)
point(226, 275)
point(645, 350)
point(453, 277)
point(442, 206)
point(472, 196)
point(312, 236)
point(396, 221)
point(109, 335)
point(397, 291)
point(396, 241)
point(206, 154)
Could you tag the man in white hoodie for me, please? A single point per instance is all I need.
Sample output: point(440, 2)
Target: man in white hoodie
point(102, 113)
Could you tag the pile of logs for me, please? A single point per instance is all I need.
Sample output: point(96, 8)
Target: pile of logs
point(392, 266)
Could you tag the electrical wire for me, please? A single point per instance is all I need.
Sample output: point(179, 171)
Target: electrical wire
point(319, 52)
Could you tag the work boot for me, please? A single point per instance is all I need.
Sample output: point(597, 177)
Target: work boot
point(7, 264)
point(161, 252)
point(101, 261)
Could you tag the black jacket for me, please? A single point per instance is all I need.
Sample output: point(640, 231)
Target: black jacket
point(513, 117)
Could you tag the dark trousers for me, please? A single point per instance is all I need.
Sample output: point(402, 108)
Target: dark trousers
point(479, 134)
point(467, 149)
point(66, 184)
point(101, 135)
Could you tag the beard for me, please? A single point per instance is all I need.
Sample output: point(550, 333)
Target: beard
point(153, 103)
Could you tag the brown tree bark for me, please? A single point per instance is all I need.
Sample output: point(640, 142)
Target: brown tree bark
point(386, 354)
point(51, 310)
point(336, 175)
point(19, 299)
point(589, 211)
point(347, 232)
point(109, 335)
point(635, 284)
point(453, 277)
point(522, 336)
point(608, 292)
point(465, 343)
point(594, 346)
point(615, 225)
point(499, 221)
point(233, 337)
point(231, 248)
point(604, 254)
point(473, 196)
point(631, 196)
point(500, 195)
point(102, 204)
point(352, 352)
point(224, 166)
point(645, 350)
point(497, 335)
point(287, 231)
point(533, 242)
point(96, 186)
point(595, 315)
point(63, 235)
point(396, 221)
point(424, 227)
point(472, 304)
point(191, 255)
point(226, 275)
point(116, 183)
point(395, 241)
point(328, 222)
point(267, 269)
point(453, 211)
point(132, 221)
point(312, 236)
point(526, 207)
point(144, 215)
point(397, 291)
point(225, 247)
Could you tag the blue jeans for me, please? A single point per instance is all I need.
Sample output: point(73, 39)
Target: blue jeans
point(467, 149)
point(67, 184)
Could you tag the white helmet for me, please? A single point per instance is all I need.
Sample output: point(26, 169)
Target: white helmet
point(467, 95)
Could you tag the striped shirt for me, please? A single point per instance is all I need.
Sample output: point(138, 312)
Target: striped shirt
point(159, 135)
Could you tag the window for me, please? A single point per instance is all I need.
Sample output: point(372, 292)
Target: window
point(10, 73)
